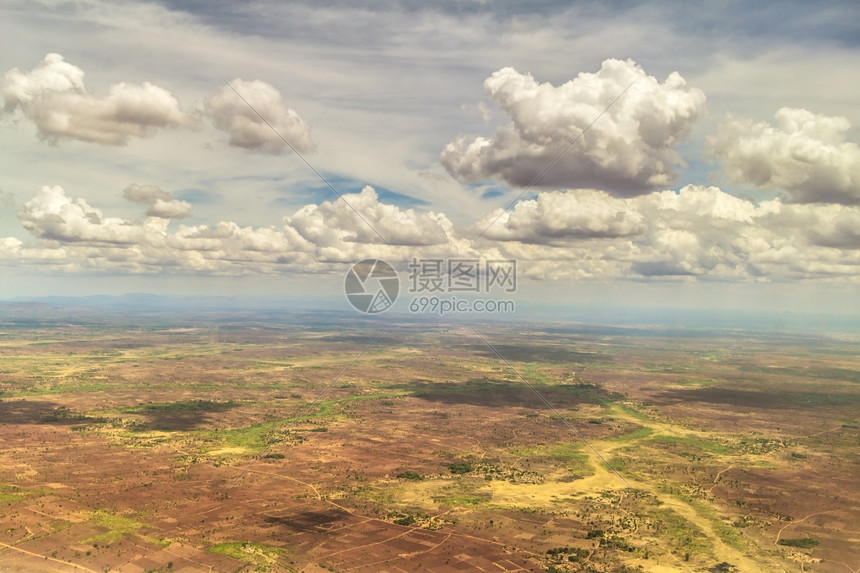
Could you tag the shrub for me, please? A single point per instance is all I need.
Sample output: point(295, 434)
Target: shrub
point(802, 542)
point(460, 467)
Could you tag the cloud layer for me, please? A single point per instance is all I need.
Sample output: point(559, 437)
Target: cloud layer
point(700, 233)
point(73, 234)
point(627, 151)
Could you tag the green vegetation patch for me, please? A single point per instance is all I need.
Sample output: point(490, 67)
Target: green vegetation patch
point(569, 455)
point(118, 526)
point(12, 493)
point(460, 467)
point(620, 463)
point(684, 538)
point(254, 437)
point(465, 491)
point(258, 554)
point(465, 499)
point(630, 411)
point(728, 533)
point(637, 434)
point(332, 409)
point(802, 542)
point(183, 406)
point(573, 458)
point(698, 382)
point(687, 441)
point(760, 445)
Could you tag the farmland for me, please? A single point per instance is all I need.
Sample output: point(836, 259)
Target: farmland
point(242, 442)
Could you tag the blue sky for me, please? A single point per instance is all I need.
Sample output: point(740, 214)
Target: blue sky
point(728, 176)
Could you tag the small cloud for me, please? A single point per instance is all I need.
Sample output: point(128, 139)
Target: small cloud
point(160, 203)
point(7, 199)
point(481, 108)
point(246, 129)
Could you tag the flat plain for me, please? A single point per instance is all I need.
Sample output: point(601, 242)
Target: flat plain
point(249, 441)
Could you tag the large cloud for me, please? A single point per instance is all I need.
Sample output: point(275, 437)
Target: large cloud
point(806, 154)
point(628, 151)
point(53, 96)
point(240, 119)
point(159, 203)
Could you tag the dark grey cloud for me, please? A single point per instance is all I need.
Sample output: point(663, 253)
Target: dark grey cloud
point(659, 269)
point(792, 21)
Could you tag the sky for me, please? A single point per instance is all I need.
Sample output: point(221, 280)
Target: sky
point(630, 153)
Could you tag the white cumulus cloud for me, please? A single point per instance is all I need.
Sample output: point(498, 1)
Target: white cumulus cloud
point(240, 119)
point(556, 217)
point(51, 214)
point(698, 233)
point(805, 154)
point(358, 217)
point(628, 150)
point(54, 97)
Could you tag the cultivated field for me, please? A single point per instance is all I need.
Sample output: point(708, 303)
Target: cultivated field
point(122, 442)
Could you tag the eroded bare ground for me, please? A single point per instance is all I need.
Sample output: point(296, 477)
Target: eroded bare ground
point(706, 451)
